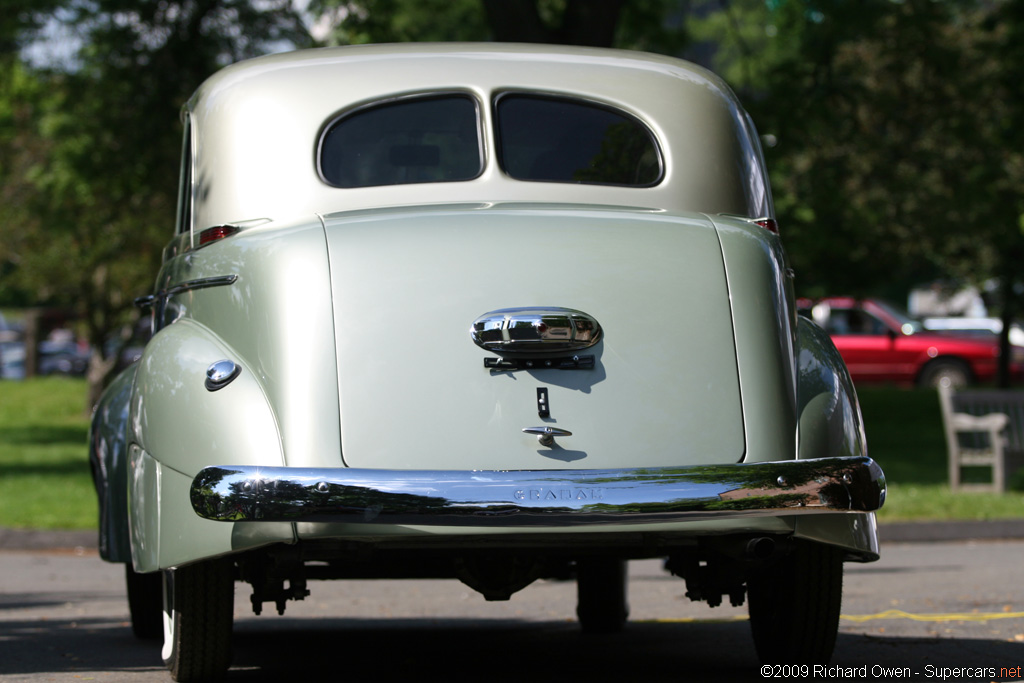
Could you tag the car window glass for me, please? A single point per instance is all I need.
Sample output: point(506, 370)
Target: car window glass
point(907, 324)
point(854, 321)
point(416, 140)
point(560, 140)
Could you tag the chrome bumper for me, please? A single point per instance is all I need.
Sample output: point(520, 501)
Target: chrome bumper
point(537, 498)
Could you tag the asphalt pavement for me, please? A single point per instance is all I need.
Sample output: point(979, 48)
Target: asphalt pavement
point(923, 611)
point(899, 532)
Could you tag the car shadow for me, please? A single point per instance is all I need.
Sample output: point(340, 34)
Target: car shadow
point(274, 649)
point(495, 650)
point(72, 646)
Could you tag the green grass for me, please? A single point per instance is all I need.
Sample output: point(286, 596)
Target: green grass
point(905, 437)
point(45, 482)
point(44, 463)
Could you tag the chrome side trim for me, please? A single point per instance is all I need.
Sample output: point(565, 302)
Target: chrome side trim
point(537, 498)
point(158, 302)
point(200, 283)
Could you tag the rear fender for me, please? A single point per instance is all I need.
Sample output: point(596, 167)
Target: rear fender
point(186, 426)
point(830, 425)
point(180, 426)
point(108, 460)
point(830, 422)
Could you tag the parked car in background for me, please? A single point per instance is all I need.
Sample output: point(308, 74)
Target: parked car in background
point(60, 353)
point(8, 332)
point(54, 357)
point(976, 327)
point(429, 312)
point(881, 343)
point(62, 356)
point(11, 352)
point(12, 360)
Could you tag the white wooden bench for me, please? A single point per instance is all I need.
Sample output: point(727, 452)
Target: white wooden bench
point(983, 428)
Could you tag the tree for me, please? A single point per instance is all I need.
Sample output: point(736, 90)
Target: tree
point(898, 138)
point(18, 22)
point(400, 21)
point(94, 151)
point(579, 23)
point(641, 24)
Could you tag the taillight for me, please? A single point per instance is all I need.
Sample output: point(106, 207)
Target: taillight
point(769, 224)
point(218, 232)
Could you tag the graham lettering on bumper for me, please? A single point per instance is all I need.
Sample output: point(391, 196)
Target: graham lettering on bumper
point(537, 498)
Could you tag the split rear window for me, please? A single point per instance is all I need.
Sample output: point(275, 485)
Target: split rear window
point(437, 138)
point(570, 141)
point(414, 140)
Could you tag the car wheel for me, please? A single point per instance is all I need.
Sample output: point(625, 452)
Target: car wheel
point(601, 589)
point(958, 374)
point(197, 618)
point(145, 599)
point(794, 606)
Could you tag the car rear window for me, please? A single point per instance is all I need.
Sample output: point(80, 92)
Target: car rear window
point(414, 140)
point(554, 139)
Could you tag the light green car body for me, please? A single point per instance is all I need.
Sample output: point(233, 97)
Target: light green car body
point(348, 313)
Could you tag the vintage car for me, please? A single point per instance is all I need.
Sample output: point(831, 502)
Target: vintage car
point(487, 312)
point(881, 343)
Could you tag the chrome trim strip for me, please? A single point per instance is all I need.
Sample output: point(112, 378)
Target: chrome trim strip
point(159, 301)
point(537, 498)
point(200, 283)
point(163, 295)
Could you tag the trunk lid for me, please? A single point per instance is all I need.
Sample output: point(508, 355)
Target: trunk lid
point(409, 283)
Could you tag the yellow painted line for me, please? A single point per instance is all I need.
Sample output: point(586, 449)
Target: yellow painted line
point(888, 614)
point(961, 616)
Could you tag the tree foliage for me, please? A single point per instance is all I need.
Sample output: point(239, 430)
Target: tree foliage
point(653, 25)
point(892, 124)
point(19, 21)
point(91, 153)
point(897, 126)
point(894, 128)
point(400, 21)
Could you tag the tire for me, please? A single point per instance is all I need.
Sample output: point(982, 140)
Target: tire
point(145, 602)
point(198, 612)
point(794, 606)
point(957, 372)
point(601, 589)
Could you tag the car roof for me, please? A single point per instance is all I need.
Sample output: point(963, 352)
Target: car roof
point(256, 124)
